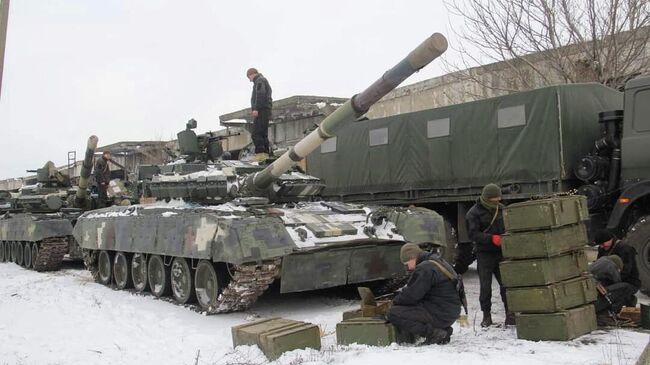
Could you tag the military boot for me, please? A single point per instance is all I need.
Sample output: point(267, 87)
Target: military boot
point(487, 319)
point(437, 337)
point(510, 319)
point(260, 157)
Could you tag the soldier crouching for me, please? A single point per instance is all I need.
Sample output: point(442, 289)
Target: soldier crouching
point(429, 304)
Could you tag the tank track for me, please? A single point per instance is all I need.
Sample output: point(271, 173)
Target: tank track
point(90, 262)
point(247, 283)
point(50, 254)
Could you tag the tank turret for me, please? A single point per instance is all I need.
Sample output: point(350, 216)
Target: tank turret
point(203, 177)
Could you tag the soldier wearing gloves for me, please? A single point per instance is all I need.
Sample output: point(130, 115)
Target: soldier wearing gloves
point(485, 227)
point(430, 302)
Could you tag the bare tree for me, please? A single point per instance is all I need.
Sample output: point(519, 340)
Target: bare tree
point(547, 42)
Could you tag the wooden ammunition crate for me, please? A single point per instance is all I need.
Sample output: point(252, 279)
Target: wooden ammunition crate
point(536, 272)
point(275, 336)
point(560, 326)
point(545, 213)
point(552, 298)
point(546, 243)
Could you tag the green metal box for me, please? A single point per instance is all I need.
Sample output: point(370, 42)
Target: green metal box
point(552, 298)
point(535, 272)
point(275, 336)
point(545, 213)
point(561, 326)
point(369, 331)
point(547, 243)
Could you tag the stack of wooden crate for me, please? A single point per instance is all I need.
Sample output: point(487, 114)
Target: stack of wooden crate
point(545, 266)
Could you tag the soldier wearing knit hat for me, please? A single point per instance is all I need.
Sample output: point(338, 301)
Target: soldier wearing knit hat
point(485, 227)
point(609, 245)
point(429, 304)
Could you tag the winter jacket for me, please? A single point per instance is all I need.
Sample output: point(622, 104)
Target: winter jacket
point(102, 171)
point(261, 97)
point(432, 289)
point(605, 271)
point(630, 272)
point(480, 231)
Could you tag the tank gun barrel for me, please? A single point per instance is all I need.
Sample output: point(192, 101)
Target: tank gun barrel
point(87, 167)
point(427, 51)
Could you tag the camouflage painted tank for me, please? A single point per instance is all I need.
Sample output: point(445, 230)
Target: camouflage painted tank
point(36, 223)
point(223, 231)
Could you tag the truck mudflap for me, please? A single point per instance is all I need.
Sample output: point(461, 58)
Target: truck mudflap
point(340, 266)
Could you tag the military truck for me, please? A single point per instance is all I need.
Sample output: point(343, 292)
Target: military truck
point(223, 230)
point(36, 223)
point(582, 138)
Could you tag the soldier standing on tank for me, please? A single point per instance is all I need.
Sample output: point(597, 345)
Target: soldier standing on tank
point(261, 105)
point(610, 245)
point(485, 227)
point(102, 175)
point(429, 303)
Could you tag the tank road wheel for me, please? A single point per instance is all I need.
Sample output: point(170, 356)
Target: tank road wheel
point(122, 271)
point(8, 251)
point(105, 266)
point(20, 254)
point(139, 272)
point(13, 251)
point(27, 255)
point(2, 251)
point(158, 275)
point(182, 281)
point(206, 285)
point(34, 254)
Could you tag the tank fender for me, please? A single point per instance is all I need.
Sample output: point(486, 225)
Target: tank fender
point(251, 239)
point(626, 200)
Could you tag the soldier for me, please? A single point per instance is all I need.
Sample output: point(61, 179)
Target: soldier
point(613, 293)
point(485, 227)
point(102, 177)
point(430, 302)
point(261, 104)
point(609, 245)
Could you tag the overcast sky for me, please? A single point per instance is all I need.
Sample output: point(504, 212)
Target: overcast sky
point(138, 70)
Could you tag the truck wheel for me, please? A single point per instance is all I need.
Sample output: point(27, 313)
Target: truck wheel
point(638, 236)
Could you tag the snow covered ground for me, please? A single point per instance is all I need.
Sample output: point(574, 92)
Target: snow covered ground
point(66, 318)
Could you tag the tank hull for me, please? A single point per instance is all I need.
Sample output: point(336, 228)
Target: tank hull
point(307, 246)
point(47, 237)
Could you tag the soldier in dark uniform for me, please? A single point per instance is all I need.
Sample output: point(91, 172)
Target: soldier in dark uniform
point(485, 227)
point(610, 245)
point(430, 303)
point(261, 105)
point(613, 293)
point(102, 175)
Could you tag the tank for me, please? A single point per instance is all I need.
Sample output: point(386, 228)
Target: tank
point(36, 223)
point(221, 231)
